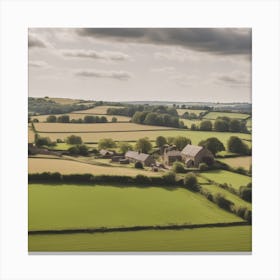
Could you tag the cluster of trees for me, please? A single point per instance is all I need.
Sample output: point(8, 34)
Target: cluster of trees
point(190, 116)
point(155, 118)
point(43, 141)
point(224, 124)
point(236, 145)
point(76, 150)
point(86, 119)
point(46, 106)
point(180, 141)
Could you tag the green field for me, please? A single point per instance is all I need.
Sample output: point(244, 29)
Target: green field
point(232, 197)
point(215, 115)
point(227, 239)
point(244, 162)
point(223, 176)
point(182, 111)
point(74, 207)
point(195, 136)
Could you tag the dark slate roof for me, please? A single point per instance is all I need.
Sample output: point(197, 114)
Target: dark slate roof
point(136, 155)
point(191, 150)
point(173, 153)
point(105, 152)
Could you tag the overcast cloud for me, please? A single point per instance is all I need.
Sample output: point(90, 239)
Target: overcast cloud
point(180, 64)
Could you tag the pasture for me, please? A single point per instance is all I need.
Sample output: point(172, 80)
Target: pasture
point(215, 115)
point(195, 136)
point(244, 162)
point(95, 127)
point(223, 176)
point(79, 207)
point(63, 166)
point(213, 189)
point(76, 116)
point(227, 239)
point(100, 110)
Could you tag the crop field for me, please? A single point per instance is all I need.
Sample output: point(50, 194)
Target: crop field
point(223, 176)
point(182, 111)
point(76, 116)
point(215, 115)
point(108, 206)
point(195, 136)
point(39, 165)
point(31, 135)
point(64, 101)
point(232, 197)
point(244, 162)
point(94, 127)
point(101, 110)
point(228, 239)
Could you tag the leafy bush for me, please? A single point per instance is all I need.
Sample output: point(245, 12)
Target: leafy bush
point(223, 202)
point(245, 193)
point(51, 119)
point(142, 179)
point(169, 177)
point(178, 167)
point(106, 143)
point(138, 165)
point(190, 182)
point(74, 140)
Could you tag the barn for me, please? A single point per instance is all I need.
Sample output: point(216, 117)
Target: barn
point(170, 157)
point(145, 159)
point(194, 155)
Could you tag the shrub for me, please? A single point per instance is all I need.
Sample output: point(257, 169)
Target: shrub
point(51, 119)
point(190, 182)
point(78, 178)
point(74, 140)
point(206, 125)
point(248, 215)
point(203, 166)
point(240, 211)
point(83, 150)
point(245, 193)
point(42, 141)
point(223, 202)
point(138, 165)
point(178, 167)
point(74, 150)
point(169, 177)
point(236, 145)
point(59, 141)
point(63, 119)
point(106, 143)
point(142, 179)
point(114, 119)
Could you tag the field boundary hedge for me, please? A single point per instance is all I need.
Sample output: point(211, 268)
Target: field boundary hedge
point(136, 228)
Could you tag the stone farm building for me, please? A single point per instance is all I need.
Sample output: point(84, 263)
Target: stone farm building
point(169, 157)
point(194, 155)
point(145, 159)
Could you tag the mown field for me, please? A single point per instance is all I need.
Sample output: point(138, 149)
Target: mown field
point(31, 135)
point(215, 115)
point(76, 116)
point(244, 162)
point(101, 110)
point(94, 127)
point(228, 239)
point(76, 207)
point(39, 165)
point(223, 176)
point(195, 136)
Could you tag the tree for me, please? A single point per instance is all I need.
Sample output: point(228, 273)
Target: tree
point(63, 119)
point(221, 125)
point(74, 140)
point(193, 127)
point(234, 125)
point(161, 141)
point(169, 177)
point(51, 119)
point(138, 165)
point(206, 125)
point(236, 145)
point(190, 182)
point(83, 150)
point(89, 119)
point(114, 120)
point(103, 119)
point(246, 193)
point(143, 145)
point(106, 143)
point(124, 147)
point(213, 144)
point(181, 142)
point(178, 167)
point(42, 141)
point(73, 150)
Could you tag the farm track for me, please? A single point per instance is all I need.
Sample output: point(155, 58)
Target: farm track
point(136, 228)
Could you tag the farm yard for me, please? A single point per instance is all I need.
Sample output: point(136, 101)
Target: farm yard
point(142, 209)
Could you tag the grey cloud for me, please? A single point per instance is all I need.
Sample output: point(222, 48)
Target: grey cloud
point(93, 73)
point(163, 69)
point(219, 41)
point(38, 64)
point(36, 42)
point(233, 79)
point(106, 55)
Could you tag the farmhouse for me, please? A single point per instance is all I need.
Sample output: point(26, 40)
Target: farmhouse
point(194, 155)
point(106, 153)
point(133, 156)
point(171, 156)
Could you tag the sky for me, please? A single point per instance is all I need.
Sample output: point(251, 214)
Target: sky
point(141, 64)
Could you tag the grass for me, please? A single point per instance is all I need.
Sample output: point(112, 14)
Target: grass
point(234, 198)
point(244, 162)
point(215, 115)
point(228, 239)
point(43, 118)
point(38, 165)
point(94, 127)
point(73, 206)
point(195, 136)
point(65, 146)
point(98, 110)
point(223, 176)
